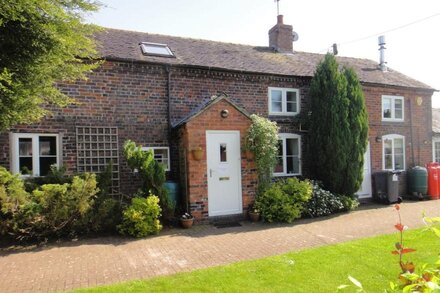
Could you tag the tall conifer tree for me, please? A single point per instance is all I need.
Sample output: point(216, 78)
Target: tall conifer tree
point(338, 127)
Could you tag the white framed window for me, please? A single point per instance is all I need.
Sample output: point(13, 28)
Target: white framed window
point(392, 108)
point(155, 49)
point(32, 154)
point(393, 152)
point(283, 101)
point(161, 155)
point(289, 155)
point(436, 149)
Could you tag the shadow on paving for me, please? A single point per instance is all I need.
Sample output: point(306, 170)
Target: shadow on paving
point(198, 231)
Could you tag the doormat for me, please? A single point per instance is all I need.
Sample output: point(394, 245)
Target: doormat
point(227, 225)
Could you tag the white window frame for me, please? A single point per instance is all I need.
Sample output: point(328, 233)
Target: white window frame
point(15, 149)
point(168, 168)
point(284, 101)
point(392, 137)
point(434, 140)
point(145, 46)
point(284, 137)
point(393, 112)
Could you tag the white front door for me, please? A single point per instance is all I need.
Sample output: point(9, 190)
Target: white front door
point(365, 190)
point(224, 172)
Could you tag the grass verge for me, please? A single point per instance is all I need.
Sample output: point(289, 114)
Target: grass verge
point(320, 269)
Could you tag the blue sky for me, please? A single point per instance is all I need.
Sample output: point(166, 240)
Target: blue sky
point(413, 49)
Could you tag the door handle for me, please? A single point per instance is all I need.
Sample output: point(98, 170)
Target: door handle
point(210, 172)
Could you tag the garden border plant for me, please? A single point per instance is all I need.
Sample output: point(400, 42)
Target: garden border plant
point(262, 140)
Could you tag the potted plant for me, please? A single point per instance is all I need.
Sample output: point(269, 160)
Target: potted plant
point(197, 153)
point(254, 214)
point(249, 154)
point(186, 220)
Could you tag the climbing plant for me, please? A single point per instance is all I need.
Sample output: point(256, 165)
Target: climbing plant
point(262, 140)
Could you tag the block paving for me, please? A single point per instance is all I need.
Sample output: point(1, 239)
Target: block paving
point(105, 260)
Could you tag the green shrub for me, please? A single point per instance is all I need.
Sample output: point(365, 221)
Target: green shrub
point(349, 203)
point(106, 212)
point(141, 218)
point(284, 200)
point(57, 207)
point(13, 198)
point(325, 203)
point(55, 176)
point(151, 173)
point(262, 140)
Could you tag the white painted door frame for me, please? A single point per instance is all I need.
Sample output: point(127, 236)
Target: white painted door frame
point(365, 189)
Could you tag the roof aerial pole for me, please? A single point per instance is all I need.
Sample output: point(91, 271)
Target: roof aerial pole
point(278, 7)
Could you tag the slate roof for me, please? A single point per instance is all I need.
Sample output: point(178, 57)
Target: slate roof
point(124, 45)
point(207, 103)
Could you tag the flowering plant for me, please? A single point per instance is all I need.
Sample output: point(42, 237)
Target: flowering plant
point(262, 140)
point(187, 216)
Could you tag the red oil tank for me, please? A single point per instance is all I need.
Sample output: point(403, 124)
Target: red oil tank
point(433, 180)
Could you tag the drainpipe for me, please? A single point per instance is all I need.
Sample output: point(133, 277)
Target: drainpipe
point(168, 71)
point(411, 132)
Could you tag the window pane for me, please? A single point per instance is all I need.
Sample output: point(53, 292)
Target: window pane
point(398, 109)
point(398, 146)
point(223, 155)
point(276, 100)
point(25, 146)
point(293, 165)
point(161, 156)
point(291, 102)
point(437, 151)
point(48, 145)
point(279, 166)
point(398, 162)
point(388, 162)
point(45, 163)
point(292, 146)
point(25, 165)
point(386, 106)
point(388, 146)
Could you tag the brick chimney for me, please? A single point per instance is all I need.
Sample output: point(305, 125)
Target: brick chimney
point(281, 36)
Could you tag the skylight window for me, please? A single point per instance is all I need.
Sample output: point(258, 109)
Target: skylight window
point(154, 49)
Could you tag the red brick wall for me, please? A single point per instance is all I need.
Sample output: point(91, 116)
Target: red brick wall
point(419, 116)
point(194, 136)
point(132, 97)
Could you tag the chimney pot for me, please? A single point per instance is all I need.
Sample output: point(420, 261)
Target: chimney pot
point(279, 19)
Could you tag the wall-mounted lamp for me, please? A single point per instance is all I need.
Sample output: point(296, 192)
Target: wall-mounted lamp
point(224, 113)
point(378, 139)
point(425, 141)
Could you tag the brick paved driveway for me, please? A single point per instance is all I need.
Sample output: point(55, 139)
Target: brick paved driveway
point(93, 262)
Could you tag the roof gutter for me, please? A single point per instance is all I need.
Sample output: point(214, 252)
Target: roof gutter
point(111, 58)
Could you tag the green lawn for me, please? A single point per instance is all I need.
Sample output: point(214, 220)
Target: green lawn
point(320, 269)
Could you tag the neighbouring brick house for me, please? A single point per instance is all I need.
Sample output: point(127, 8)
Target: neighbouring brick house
point(174, 95)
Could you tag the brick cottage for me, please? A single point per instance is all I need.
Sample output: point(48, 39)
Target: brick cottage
point(178, 96)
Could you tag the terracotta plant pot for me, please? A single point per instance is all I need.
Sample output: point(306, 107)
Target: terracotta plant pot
point(249, 155)
point(197, 154)
point(254, 217)
point(186, 223)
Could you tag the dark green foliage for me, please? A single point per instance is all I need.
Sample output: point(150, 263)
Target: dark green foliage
point(41, 43)
point(50, 210)
point(262, 140)
point(151, 173)
point(141, 218)
point(55, 176)
point(284, 200)
point(338, 128)
point(323, 203)
point(13, 198)
point(106, 212)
